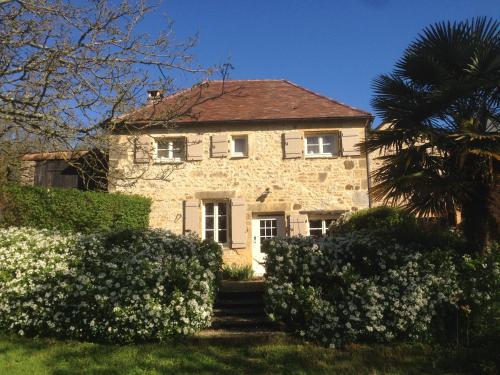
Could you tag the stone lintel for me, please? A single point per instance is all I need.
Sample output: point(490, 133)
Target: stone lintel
point(268, 207)
point(215, 194)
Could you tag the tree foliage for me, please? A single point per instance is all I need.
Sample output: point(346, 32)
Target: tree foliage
point(440, 149)
point(68, 69)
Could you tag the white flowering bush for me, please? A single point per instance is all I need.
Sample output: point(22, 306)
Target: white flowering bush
point(356, 286)
point(122, 287)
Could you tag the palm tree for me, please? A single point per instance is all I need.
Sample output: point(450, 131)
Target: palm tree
point(441, 149)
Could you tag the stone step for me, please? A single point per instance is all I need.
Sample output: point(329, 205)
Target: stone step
point(252, 286)
point(240, 311)
point(234, 301)
point(239, 322)
point(222, 336)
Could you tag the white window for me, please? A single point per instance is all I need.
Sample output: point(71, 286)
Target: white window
point(170, 149)
point(321, 145)
point(239, 146)
point(215, 222)
point(319, 227)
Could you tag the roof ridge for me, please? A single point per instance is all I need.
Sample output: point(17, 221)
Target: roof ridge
point(326, 97)
point(247, 80)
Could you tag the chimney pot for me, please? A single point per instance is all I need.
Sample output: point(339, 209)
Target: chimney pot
point(155, 95)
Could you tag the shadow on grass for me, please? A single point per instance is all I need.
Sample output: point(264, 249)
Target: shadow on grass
point(47, 356)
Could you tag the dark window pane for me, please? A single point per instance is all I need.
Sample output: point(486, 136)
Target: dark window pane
point(209, 222)
point(315, 224)
point(312, 140)
point(262, 232)
point(240, 145)
point(315, 232)
point(222, 209)
point(222, 236)
point(327, 140)
point(222, 222)
point(163, 153)
point(209, 209)
point(274, 232)
point(209, 234)
point(178, 154)
point(328, 148)
point(313, 149)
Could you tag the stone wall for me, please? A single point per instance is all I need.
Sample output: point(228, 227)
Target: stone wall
point(27, 172)
point(293, 185)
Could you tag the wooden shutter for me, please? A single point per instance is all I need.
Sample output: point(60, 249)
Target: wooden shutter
point(298, 225)
point(350, 137)
point(294, 145)
point(194, 147)
point(192, 217)
point(220, 145)
point(143, 149)
point(238, 223)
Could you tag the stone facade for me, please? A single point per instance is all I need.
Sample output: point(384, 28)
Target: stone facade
point(268, 182)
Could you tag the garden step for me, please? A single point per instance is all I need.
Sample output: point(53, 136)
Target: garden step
point(251, 286)
point(240, 336)
point(234, 301)
point(238, 322)
point(238, 311)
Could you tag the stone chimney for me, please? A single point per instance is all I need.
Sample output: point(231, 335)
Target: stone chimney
point(154, 95)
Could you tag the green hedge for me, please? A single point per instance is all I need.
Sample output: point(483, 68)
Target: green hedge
point(71, 210)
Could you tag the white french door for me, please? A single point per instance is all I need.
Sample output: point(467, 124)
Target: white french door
point(264, 228)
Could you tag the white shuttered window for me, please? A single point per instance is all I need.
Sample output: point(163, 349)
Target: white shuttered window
point(170, 149)
point(215, 222)
point(321, 145)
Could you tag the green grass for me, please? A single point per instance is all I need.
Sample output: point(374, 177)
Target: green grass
point(55, 357)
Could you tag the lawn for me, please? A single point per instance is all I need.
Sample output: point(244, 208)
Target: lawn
point(47, 356)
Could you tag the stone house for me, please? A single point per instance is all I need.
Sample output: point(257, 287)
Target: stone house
point(245, 161)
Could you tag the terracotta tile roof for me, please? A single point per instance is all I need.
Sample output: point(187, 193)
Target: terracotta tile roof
point(243, 100)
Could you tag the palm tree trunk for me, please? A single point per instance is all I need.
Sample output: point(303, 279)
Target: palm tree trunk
point(476, 221)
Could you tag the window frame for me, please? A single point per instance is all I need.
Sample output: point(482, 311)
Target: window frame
point(170, 149)
point(216, 221)
point(321, 153)
point(238, 155)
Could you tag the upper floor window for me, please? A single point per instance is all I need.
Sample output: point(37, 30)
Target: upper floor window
point(319, 227)
point(239, 146)
point(215, 222)
point(170, 149)
point(321, 144)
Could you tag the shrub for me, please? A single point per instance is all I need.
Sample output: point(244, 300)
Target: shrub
point(356, 286)
point(394, 223)
point(237, 272)
point(377, 218)
point(121, 287)
point(71, 209)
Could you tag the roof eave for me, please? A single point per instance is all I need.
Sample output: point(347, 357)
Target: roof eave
point(225, 121)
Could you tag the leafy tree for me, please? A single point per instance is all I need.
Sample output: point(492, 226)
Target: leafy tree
point(440, 149)
point(69, 69)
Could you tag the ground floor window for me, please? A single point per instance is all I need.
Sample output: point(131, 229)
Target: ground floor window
point(319, 227)
point(215, 222)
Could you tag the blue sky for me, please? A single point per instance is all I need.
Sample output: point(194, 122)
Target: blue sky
point(333, 47)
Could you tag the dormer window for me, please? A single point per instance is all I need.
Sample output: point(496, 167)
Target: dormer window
point(170, 149)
